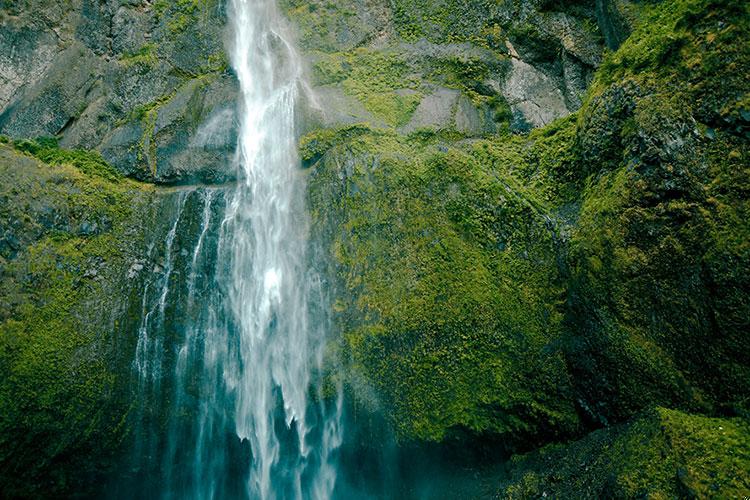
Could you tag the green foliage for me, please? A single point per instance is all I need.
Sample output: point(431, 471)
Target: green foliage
point(146, 56)
point(624, 227)
point(328, 26)
point(314, 145)
point(663, 454)
point(88, 162)
point(453, 280)
point(182, 13)
point(73, 223)
point(683, 47)
point(662, 219)
point(445, 20)
point(378, 79)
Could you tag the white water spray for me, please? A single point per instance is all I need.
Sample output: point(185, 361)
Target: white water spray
point(246, 360)
point(268, 224)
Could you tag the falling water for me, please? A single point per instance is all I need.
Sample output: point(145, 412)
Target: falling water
point(243, 409)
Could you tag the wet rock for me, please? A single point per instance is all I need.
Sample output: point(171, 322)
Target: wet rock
point(88, 228)
point(613, 21)
point(97, 77)
point(135, 269)
point(534, 97)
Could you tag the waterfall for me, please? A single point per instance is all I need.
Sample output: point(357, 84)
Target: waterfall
point(267, 227)
point(234, 402)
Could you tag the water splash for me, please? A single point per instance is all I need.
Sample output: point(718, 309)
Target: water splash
point(244, 413)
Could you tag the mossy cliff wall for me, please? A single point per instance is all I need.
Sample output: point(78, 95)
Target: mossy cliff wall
point(138, 89)
point(74, 240)
point(529, 288)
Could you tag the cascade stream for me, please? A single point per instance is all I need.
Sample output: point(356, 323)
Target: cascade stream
point(233, 327)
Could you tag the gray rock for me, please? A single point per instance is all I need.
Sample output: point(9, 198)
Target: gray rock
point(130, 30)
point(112, 75)
point(534, 97)
point(25, 55)
point(135, 269)
point(122, 148)
point(435, 111)
point(613, 21)
point(58, 99)
point(576, 79)
point(329, 106)
point(472, 121)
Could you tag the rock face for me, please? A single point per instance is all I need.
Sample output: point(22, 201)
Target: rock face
point(73, 246)
point(615, 18)
point(663, 453)
point(144, 83)
point(406, 63)
point(535, 287)
point(447, 283)
point(525, 240)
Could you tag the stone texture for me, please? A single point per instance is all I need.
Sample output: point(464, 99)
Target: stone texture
point(97, 74)
point(534, 97)
point(435, 111)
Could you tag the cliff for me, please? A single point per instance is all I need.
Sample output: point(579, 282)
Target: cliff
point(532, 219)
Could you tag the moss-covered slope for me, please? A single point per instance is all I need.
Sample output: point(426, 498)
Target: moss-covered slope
point(534, 286)
point(70, 232)
point(451, 288)
point(660, 252)
point(661, 454)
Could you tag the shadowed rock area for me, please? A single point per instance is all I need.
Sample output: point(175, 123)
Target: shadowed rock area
point(144, 83)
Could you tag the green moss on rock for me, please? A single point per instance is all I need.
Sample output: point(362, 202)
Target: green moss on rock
point(380, 80)
point(591, 269)
point(662, 454)
point(656, 314)
point(68, 230)
point(450, 300)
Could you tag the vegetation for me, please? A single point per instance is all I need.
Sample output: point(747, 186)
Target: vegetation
point(88, 162)
point(534, 287)
point(589, 278)
point(662, 454)
point(447, 283)
point(69, 227)
point(377, 79)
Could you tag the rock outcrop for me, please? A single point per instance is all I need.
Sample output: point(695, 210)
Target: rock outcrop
point(145, 83)
point(74, 238)
point(404, 64)
point(533, 287)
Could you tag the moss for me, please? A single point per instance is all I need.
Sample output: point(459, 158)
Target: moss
point(649, 251)
point(451, 294)
point(380, 80)
point(684, 47)
point(662, 454)
point(315, 144)
point(603, 247)
point(182, 13)
point(74, 221)
point(328, 26)
point(448, 20)
point(146, 56)
point(88, 162)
